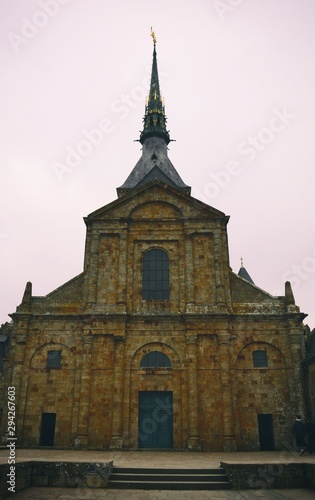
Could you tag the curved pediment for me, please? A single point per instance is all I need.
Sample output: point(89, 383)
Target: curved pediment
point(155, 210)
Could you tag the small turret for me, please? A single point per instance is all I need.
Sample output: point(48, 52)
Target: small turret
point(244, 274)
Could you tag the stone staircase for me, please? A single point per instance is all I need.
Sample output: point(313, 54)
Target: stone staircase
point(168, 479)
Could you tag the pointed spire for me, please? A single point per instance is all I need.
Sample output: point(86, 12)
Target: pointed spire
point(154, 163)
point(154, 121)
point(244, 274)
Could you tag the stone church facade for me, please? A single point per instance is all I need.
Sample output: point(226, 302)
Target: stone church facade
point(157, 344)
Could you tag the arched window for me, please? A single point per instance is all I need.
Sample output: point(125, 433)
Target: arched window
point(260, 359)
point(155, 275)
point(155, 359)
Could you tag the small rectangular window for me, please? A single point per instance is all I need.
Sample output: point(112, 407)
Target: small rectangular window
point(53, 359)
point(260, 359)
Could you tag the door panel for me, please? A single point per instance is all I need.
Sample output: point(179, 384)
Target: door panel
point(266, 435)
point(47, 429)
point(155, 419)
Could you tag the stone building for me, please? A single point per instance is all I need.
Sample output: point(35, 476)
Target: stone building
point(157, 343)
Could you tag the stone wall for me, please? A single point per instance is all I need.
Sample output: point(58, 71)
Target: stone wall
point(21, 478)
point(265, 476)
point(80, 475)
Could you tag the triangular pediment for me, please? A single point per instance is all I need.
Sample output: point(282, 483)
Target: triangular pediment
point(167, 202)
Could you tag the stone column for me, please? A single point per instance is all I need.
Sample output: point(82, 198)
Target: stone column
point(82, 436)
point(193, 427)
point(93, 271)
point(229, 441)
point(189, 269)
point(117, 413)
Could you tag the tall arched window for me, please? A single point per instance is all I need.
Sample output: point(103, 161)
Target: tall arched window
point(155, 359)
point(155, 275)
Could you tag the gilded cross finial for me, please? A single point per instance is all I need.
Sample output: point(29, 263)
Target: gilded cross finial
point(153, 36)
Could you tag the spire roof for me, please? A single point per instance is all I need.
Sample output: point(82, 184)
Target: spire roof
point(154, 163)
point(154, 121)
point(244, 274)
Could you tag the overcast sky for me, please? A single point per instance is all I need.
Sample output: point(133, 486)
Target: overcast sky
point(238, 78)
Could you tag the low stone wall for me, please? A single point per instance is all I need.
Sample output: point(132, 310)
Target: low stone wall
point(310, 475)
point(70, 474)
point(264, 476)
point(17, 481)
point(82, 475)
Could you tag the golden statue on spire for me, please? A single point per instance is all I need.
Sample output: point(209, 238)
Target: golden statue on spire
point(153, 35)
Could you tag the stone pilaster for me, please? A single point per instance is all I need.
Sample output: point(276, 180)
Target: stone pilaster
point(93, 271)
point(18, 347)
point(229, 441)
point(82, 436)
point(296, 380)
point(117, 413)
point(219, 277)
point(122, 276)
point(189, 270)
point(193, 414)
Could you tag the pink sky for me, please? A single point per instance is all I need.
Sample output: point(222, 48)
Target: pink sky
point(238, 78)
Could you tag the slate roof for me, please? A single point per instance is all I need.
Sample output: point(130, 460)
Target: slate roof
point(154, 164)
point(244, 274)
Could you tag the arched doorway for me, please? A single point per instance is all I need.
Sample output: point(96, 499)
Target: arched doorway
point(155, 422)
point(155, 398)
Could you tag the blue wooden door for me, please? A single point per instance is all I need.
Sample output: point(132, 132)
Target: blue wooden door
point(155, 419)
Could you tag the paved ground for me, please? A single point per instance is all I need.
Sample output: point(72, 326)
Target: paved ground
point(88, 494)
point(171, 459)
point(163, 460)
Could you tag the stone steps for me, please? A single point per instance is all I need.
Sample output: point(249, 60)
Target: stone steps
point(168, 479)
